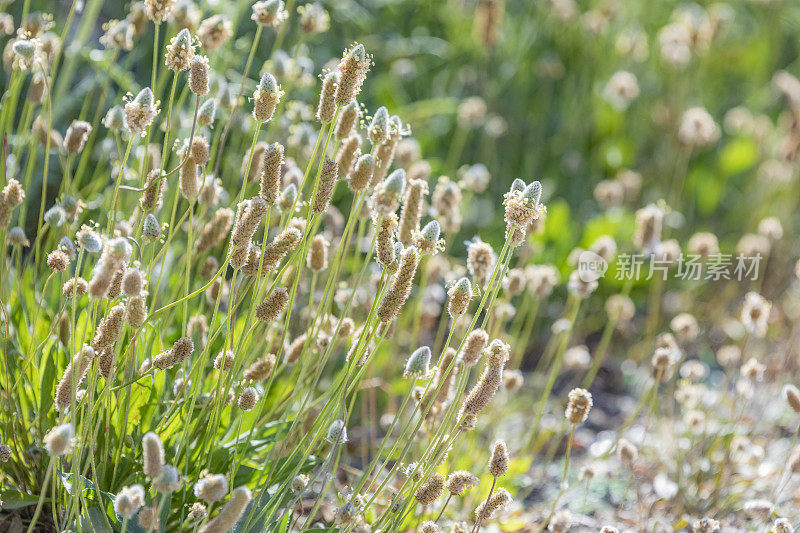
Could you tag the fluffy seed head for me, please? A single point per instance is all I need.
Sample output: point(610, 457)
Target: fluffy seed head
point(57, 261)
point(211, 488)
point(180, 51)
point(418, 364)
point(76, 136)
point(378, 130)
point(59, 440)
point(207, 112)
point(198, 76)
point(498, 461)
point(260, 369)
point(580, 402)
point(362, 173)
point(400, 288)
point(460, 481)
point(431, 490)
point(141, 111)
point(337, 432)
point(318, 253)
point(168, 480)
point(353, 70)
point(327, 105)
point(460, 295)
point(266, 98)
point(473, 346)
point(327, 181)
point(348, 115)
point(248, 398)
point(792, 396)
point(274, 304)
point(152, 455)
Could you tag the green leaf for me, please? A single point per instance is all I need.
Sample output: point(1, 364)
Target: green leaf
point(14, 499)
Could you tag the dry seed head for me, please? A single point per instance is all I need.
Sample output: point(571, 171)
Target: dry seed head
point(152, 455)
point(411, 212)
point(348, 153)
point(385, 239)
point(378, 130)
point(215, 230)
point(327, 181)
point(57, 261)
point(429, 527)
point(224, 360)
point(327, 106)
point(318, 253)
point(16, 236)
point(755, 314)
point(271, 173)
point(248, 399)
point(431, 490)
point(400, 289)
point(269, 13)
point(109, 329)
point(500, 501)
point(580, 403)
point(198, 75)
point(214, 32)
point(136, 310)
point(158, 10)
point(153, 193)
point(706, 525)
point(782, 525)
point(282, 244)
point(230, 512)
point(207, 112)
point(353, 70)
point(480, 261)
point(362, 173)
point(389, 192)
point(460, 295)
point(794, 461)
point(76, 136)
point(248, 216)
point(74, 373)
point(132, 282)
point(198, 512)
point(460, 481)
point(648, 227)
point(261, 368)
point(627, 452)
point(445, 376)
point(487, 385)
point(189, 180)
point(266, 98)
point(74, 286)
point(199, 151)
point(609, 529)
point(427, 240)
point(473, 346)
point(141, 111)
point(348, 116)
point(792, 396)
point(498, 461)
point(275, 303)
point(180, 51)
